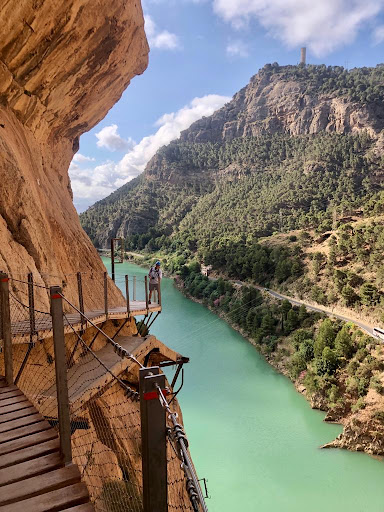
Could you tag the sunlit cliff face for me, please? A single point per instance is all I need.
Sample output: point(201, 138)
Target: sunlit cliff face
point(63, 65)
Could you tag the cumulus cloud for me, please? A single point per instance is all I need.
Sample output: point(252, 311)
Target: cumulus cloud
point(378, 35)
point(322, 25)
point(237, 49)
point(161, 39)
point(170, 127)
point(110, 139)
point(81, 158)
point(91, 184)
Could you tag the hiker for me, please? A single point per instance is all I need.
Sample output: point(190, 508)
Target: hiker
point(154, 275)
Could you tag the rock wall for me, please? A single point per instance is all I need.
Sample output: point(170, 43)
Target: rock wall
point(63, 65)
point(275, 103)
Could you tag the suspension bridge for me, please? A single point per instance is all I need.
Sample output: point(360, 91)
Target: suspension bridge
point(87, 418)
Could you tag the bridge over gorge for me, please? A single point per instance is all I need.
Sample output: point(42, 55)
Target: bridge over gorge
point(92, 377)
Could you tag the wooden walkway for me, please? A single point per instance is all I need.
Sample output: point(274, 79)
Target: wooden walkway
point(32, 475)
point(21, 330)
point(88, 378)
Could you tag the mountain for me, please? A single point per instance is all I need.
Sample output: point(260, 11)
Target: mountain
point(295, 147)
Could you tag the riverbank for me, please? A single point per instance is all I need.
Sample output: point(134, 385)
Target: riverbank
point(350, 392)
point(251, 434)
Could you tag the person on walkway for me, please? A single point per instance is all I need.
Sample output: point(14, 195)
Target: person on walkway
point(155, 275)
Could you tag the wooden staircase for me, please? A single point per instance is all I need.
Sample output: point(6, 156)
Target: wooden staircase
point(33, 477)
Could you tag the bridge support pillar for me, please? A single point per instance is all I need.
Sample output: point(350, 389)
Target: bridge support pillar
point(61, 373)
point(6, 327)
point(153, 441)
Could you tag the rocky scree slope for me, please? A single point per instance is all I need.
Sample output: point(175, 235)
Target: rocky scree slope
point(63, 65)
point(293, 144)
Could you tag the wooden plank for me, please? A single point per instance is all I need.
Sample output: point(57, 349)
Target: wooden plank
point(11, 394)
point(32, 452)
point(30, 468)
point(52, 501)
point(14, 407)
point(17, 414)
point(87, 507)
point(6, 389)
point(21, 422)
point(13, 400)
point(17, 433)
point(25, 442)
point(39, 485)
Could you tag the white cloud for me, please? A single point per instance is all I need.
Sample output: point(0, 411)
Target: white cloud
point(91, 184)
point(322, 25)
point(237, 49)
point(110, 139)
point(170, 127)
point(378, 35)
point(81, 158)
point(160, 39)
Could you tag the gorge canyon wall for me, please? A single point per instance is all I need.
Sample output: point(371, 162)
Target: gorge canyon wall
point(63, 65)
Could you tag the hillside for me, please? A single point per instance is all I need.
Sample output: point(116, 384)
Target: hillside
point(295, 147)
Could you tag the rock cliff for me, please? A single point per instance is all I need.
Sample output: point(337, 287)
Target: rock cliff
point(63, 65)
point(291, 132)
point(284, 102)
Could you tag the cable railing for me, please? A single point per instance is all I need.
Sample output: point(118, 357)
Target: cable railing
point(29, 301)
point(91, 389)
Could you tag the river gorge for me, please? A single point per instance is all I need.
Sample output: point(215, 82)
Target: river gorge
point(251, 434)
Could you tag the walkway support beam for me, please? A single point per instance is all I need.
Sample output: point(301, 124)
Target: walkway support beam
point(61, 373)
point(6, 327)
point(153, 441)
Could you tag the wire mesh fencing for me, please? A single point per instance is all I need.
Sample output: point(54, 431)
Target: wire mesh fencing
point(102, 383)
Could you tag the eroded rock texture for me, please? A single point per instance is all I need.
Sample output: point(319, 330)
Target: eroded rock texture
point(62, 67)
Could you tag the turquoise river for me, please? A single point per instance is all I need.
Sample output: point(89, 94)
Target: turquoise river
point(251, 434)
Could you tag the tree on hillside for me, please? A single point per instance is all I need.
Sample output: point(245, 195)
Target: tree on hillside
point(325, 337)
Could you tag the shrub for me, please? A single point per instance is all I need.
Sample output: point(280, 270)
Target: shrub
point(296, 365)
point(376, 384)
point(358, 405)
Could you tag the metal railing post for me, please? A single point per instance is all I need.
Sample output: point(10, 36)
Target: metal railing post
point(159, 293)
point(127, 294)
point(81, 299)
point(134, 287)
point(106, 294)
point(61, 373)
point(113, 259)
point(6, 327)
point(153, 441)
point(146, 292)
point(31, 303)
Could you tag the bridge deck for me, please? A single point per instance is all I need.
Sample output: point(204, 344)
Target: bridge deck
point(88, 378)
point(32, 475)
point(21, 330)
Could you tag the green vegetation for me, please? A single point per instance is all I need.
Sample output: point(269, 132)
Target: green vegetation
point(364, 85)
point(330, 358)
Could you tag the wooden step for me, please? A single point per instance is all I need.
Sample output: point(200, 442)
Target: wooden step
point(20, 422)
point(7, 389)
point(10, 394)
point(39, 485)
point(14, 407)
point(13, 400)
point(20, 432)
point(31, 468)
point(30, 453)
point(25, 442)
point(53, 501)
point(17, 414)
point(86, 507)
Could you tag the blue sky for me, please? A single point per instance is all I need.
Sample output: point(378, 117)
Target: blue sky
point(202, 52)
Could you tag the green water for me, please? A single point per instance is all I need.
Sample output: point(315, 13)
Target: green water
point(251, 434)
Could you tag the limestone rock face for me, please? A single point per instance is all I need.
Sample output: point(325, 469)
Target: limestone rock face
point(274, 103)
point(63, 65)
